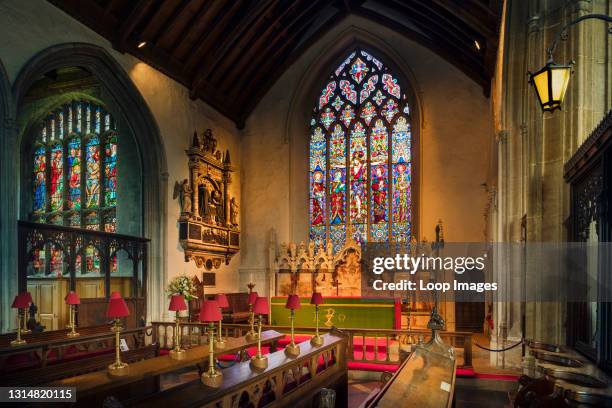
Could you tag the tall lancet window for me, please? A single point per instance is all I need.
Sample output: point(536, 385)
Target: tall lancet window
point(360, 155)
point(74, 176)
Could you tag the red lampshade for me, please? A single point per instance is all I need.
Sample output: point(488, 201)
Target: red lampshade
point(28, 297)
point(115, 295)
point(20, 301)
point(222, 300)
point(252, 298)
point(72, 298)
point(210, 311)
point(177, 303)
point(316, 299)
point(293, 302)
point(261, 306)
point(117, 308)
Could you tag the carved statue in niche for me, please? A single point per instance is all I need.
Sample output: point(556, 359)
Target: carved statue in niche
point(183, 191)
point(234, 212)
point(208, 230)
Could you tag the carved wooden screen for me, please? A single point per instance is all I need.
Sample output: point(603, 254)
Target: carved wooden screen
point(360, 155)
point(589, 173)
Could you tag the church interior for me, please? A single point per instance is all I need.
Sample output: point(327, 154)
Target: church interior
point(193, 195)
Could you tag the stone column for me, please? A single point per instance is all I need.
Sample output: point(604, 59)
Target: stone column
point(9, 213)
point(194, 186)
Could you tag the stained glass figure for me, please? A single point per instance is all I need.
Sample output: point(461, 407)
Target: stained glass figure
point(358, 170)
point(337, 159)
point(360, 156)
point(57, 177)
point(92, 181)
point(74, 174)
point(110, 171)
point(74, 163)
point(40, 182)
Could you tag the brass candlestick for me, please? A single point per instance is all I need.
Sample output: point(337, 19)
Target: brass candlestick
point(212, 378)
point(25, 329)
point(259, 361)
point(177, 353)
point(18, 341)
point(316, 340)
point(118, 368)
point(251, 286)
point(220, 340)
point(251, 335)
point(292, 349)
point(72, 332)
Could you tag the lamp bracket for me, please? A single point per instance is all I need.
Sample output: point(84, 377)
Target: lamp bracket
point(563, 34)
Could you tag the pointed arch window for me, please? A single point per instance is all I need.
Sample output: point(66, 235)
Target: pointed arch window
point(74, 177)
point(360, 155)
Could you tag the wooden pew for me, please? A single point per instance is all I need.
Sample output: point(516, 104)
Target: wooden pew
point(67, 369)
point(52, 349)
point(143, 377)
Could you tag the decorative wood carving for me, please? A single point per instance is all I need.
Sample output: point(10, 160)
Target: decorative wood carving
point(319, 269)
point(208, 225)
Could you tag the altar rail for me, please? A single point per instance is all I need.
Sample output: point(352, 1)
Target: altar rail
point(375, 342)
point(287, 382)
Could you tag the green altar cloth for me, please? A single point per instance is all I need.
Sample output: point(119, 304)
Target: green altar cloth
point(341, 312)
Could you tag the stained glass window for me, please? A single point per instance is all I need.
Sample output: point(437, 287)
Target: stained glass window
point(360, 155)
point(74, 177)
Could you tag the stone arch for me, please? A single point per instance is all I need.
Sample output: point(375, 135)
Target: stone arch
point(8, 221)
point(133, 110)
point(302, 100)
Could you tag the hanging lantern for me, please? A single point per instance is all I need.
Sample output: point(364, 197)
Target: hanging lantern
point(550, 84)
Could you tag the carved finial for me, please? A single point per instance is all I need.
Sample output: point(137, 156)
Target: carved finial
point(227, 160)
point(196, 140)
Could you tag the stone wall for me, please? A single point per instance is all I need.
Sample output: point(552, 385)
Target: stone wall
point(453, 128)
point(30, 27)
point(530, 194)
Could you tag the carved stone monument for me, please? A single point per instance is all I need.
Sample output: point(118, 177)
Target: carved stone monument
point(208, 225)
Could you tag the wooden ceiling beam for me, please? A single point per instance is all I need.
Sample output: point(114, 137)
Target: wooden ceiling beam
point(487, 26)
point(139, 11)
point(471, 68)
point(254, 47)
point(197, 32)
point(442, 31)
point(177, 22)
point(158, 23)
point(243, 28)
point(277, 57)
point(256, 95)
point(210, 40)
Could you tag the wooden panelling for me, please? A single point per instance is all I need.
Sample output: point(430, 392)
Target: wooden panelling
point(48, 295)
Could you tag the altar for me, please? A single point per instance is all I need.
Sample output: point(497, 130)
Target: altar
point(341, 312)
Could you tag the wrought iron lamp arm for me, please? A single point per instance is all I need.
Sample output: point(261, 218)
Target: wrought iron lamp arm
point(562, 34)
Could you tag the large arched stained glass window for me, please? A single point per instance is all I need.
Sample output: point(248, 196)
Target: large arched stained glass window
point(75, 178)
point(75, 168)
point(360, 155)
